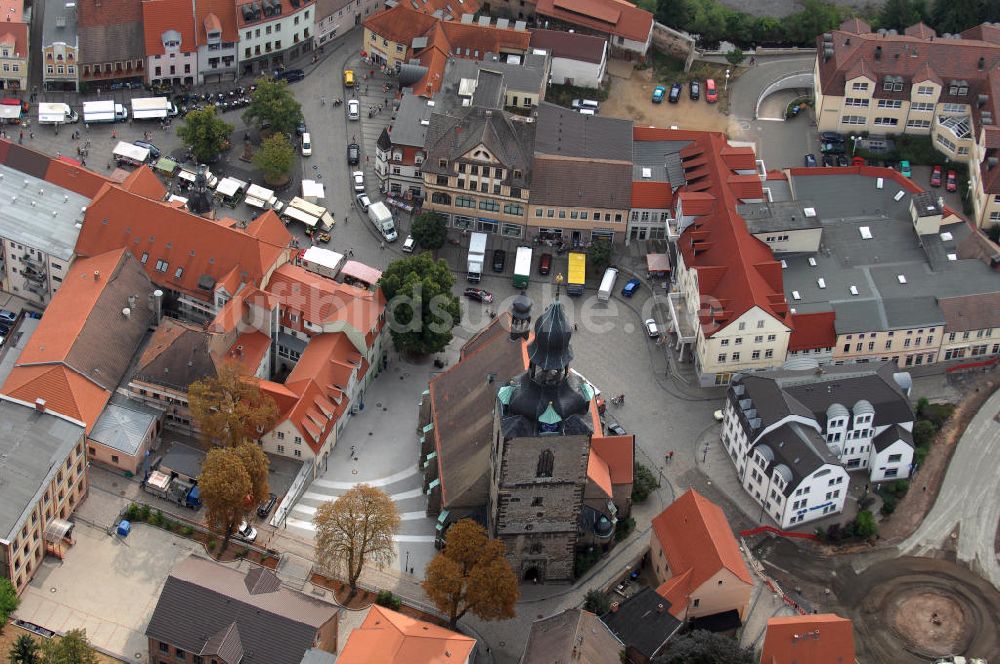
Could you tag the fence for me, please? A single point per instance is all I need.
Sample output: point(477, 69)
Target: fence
point(772, 585)
point(775, 531)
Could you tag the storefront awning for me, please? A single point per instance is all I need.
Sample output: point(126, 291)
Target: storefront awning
point(57, 530)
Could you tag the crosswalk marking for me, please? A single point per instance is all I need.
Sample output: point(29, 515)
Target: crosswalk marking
point(396, 497)
point(381, 481)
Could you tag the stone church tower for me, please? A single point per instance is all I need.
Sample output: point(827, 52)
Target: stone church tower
point(541, 445)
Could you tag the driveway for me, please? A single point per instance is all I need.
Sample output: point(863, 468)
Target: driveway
point(107, 585)
point(969, 499)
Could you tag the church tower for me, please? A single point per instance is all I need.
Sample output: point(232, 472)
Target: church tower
point(542, 431)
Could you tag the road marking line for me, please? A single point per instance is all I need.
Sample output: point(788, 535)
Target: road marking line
point(396, 497)
point(308, 525)
point(381, 481)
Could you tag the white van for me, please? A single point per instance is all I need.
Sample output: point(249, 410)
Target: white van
point(581, 104)
point(307, 147)
point(607, 284)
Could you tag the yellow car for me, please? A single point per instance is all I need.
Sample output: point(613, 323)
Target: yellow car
point(349, 78)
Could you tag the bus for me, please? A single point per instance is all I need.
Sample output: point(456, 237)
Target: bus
point(577, 273)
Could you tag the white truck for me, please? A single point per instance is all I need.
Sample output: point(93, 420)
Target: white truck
point(477, 256)
point(129, 154)
point(381, 218)
point(56, 114)
point(152, 108)
point(96, 112)
point(607, 284)
point(522, 267)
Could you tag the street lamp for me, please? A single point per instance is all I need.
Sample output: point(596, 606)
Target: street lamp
point(726, 88)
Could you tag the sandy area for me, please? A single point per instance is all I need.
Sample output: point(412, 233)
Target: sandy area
point(631, 99)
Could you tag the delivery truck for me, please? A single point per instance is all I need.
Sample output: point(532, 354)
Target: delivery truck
point(152, 108)
point(382, 219)
point(477, 256)
point(577, 276)
point(522, 267)
point(56, 114)
point(607, 284)
point(97, 112)
point(174, 489)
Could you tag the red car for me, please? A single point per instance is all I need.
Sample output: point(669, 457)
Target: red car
point(711, 92)
point(951, 184)
point(936, 176)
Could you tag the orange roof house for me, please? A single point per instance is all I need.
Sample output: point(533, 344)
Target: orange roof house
point(614, 18)
point(68, 362)
point(814, 639)
point(388, 637)
point(159, 16)
point(697, 561)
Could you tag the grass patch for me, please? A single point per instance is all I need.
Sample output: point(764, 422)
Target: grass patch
point(563, 95)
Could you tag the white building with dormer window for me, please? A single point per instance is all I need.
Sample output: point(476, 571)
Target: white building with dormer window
point(794, 434)
point(171, 51)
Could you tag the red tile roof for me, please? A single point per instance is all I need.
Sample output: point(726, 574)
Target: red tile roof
point(652, 195)
point(388, 637)
point(618, 453)
point(219, 14)
point(75, 178)
point(320, 300)
point(814, 330)
point(736, 271)
point(697, 541)
point(16, 34)
point(13, 10)
point(814, 639)
point(400, 24)
point(159, 16)
point(599, 473)
point(199, 253)
point(614, 17)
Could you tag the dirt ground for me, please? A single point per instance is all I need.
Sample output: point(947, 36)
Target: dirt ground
point(11, 632)
point(912, 509)
point(631, 99)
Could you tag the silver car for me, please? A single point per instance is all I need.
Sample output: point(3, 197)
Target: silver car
point(353, 109)
point(651, 328)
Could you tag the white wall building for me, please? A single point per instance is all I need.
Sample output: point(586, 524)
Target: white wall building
point(273, 32)
point(793, 435)
point(577, 59)
point(337, 17)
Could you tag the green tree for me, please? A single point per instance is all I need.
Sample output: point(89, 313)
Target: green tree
point(8, 601)
point(471, 574)
point(25, 651)
point(864, 525)
point(924, 432)
point(815, 18)
point(430, 230)
point(275, 157)
point(958, 15)
point(227, 491)
point(205, 133)
point(355, 529)
point(600, 254)
point(422, 309)
point(675, 13)
point(901, 14)
point(273, 108)
point(70, 649)
point(736, 57)
point(644, 483)
point(229, 408)
point(701, 647)
point(596, 602)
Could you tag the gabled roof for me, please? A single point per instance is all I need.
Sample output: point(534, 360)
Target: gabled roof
point(16, 35)
point(208, 609)
point(321, 300)
point(198, 253)
point(698, 541)
point(812, 330)
point(652, 195)
point(618, 454)
point(389, 637)
point(572, 631)
point(218, 14)
point(971, 312)
point(159, 16)
point(68, 361)
point(614, 17)
point(400, 24)
point(511, 141)
point(570, 45)
point(110, 31)
point(176, 355)
point(591, 183)
point(817, 639)
point(645, 621)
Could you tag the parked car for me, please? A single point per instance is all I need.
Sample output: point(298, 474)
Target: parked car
point(810, 160)
point(694, 90)
point(479, 295)
point(300, 128)
point(651, 328)
point(936, 176)
point(585, 104)
point(832, 148)
point(711, 92)
point(842, 160)
point(616, 429)
point(265, 507)
point(951, 184)
point(348, 78)
point(904, 168)
point(353, 154)
point(499, 260)
point(7, 316)
point(408, 244)
point(290, 75)
point(827, 160)
point(307, 146)
point(363, 202)
point(245, 532)
point(830, 137)
point(718, 416)
point(630, 287)
point(359, 181)
point(154, 152)
point(353, 109)
point(658, 93)
point(545, 264)
point(675, 93)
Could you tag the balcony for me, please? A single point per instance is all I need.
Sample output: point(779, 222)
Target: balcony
point(682, 318)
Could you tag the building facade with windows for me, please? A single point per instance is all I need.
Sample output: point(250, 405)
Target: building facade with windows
point(60, 47)
point(272, 32)
point(112, 43)
point(46, 478)
point(793, 435)
point(337, 17)
point(400, 154)
point(171, 51)
point(218, 41)
point(13, 46)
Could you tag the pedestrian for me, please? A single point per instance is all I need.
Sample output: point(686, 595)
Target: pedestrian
point(31, 135)
point(575, 328)
point(86, 125)
point(382, 245)
point(114, 134)
point(350, 252)
point(83, 162)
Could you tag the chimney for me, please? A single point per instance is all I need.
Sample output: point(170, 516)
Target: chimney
point(97, 275)
point(157, 306)
point(126, 313)
point(40, 405)
point(614, 607)
point(659, 608)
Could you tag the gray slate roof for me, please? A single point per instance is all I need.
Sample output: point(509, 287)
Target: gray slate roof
point(890, 436)
point(33, 447)
point(30, 220)
point(51, 32)
point(176, 355)
point(462, 401)
point(566, 133)
point(591, 183)
point(639, 623)
point(844, 204)
point(183, 460)
point(206, 608)
point(572, 630)
point(123, 424)
point(409, 127)
point(663, 158)
point(494, 74)
point(799, 448)
point(782, 216)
